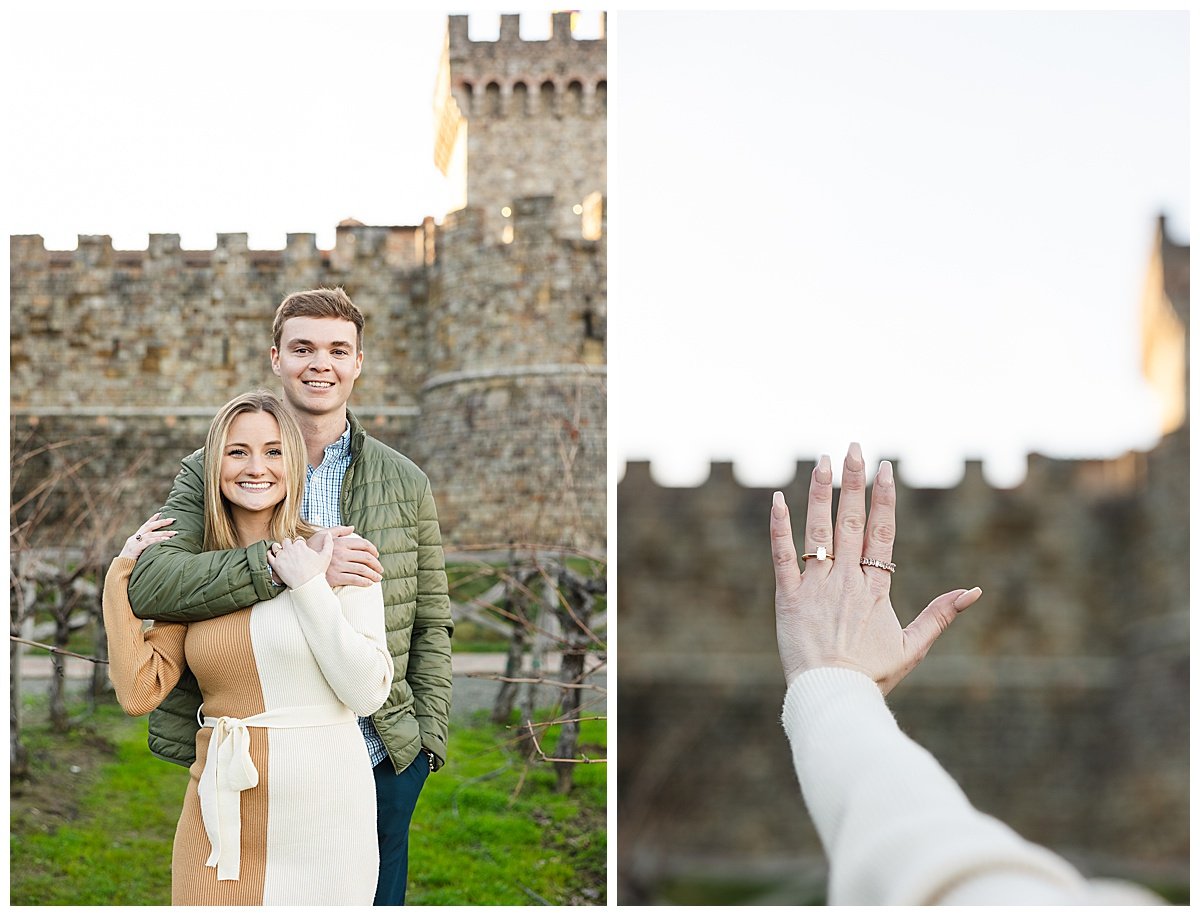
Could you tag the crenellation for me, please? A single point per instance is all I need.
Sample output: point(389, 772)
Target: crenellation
point(458, 30)
point(94, 250)
point(29, 248)
point(161, 244)
point(232, 244)
point(560, 26)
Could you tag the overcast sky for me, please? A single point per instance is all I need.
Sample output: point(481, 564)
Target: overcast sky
point(260, 117)
point(924, 231)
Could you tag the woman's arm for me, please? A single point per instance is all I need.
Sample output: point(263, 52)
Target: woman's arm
point(346, 634)
point(143, 666)
point(345, 630)
point(896, 827)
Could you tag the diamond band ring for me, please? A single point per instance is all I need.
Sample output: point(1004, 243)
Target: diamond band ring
point(878, 564)
point(821, 554)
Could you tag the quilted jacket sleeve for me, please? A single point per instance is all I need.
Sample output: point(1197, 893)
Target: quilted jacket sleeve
point(429, 672)
point(175, 581)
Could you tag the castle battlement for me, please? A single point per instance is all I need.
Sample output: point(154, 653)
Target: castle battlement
point(512, 77)
point(510, 40)
point(1092, 477)
point(398, 247)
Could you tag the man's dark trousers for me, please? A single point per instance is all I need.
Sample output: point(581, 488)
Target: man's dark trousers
point(396, 798)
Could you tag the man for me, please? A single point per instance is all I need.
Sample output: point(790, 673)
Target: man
point(353, 480)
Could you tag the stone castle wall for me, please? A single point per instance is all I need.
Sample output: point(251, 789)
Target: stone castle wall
point(123, 352)
point(174, 327)
point(485, 338)
point(1059, 701)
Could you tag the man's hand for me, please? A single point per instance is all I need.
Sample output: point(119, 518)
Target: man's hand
point(355, 559)
point(296, 562)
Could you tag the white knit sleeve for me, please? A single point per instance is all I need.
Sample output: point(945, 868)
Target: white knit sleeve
point(897, 829)
point(345, 631)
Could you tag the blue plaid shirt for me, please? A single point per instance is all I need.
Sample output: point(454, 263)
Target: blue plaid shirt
point(322, 507)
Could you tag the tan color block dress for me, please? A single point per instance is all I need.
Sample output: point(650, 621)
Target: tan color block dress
point(283, 809)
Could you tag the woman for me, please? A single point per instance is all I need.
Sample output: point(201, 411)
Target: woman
point(280, 807)
point(896, 827)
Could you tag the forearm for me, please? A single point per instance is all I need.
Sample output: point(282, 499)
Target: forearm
point(345, 632)
point(896, 827)
point(176, 581)
point(143, 665)
point(171, 582)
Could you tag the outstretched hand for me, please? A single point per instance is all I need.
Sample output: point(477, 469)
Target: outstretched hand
point(838, 613)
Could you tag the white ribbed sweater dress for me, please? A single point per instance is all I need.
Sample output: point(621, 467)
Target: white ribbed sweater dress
point(311, 654)
point(896, 827)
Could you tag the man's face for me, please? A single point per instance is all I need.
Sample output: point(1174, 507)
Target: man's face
point(318, 360)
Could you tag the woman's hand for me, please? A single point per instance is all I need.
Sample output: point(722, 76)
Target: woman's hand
point(146, 536)
point(295, 562)
point(838, 613)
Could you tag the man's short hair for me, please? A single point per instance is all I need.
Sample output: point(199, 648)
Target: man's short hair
point(317, 303)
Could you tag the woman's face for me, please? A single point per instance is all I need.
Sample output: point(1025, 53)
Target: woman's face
point(253, 472)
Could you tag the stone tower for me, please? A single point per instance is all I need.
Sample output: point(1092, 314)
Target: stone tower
point(514, 398)
point(519, 118)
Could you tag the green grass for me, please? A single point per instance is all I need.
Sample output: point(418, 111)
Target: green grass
point(99, 835)
point(488, 830)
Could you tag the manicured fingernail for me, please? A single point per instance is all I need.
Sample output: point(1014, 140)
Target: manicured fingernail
point(824, 471)
point(885, 472)
point(856, 453)
point(778, 506)
point(967, 598)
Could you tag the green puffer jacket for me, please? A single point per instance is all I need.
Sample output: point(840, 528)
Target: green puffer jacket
point(388, 500)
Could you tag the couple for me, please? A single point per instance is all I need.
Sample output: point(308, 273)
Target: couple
point(287, 625)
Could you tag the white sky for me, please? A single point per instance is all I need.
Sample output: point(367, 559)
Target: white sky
point(924, 231)
point(195, 119)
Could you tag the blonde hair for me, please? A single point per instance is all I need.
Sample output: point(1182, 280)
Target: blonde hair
point(220, 533)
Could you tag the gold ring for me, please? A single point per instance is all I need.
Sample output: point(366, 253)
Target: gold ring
point(821, 554)
point(878, 564)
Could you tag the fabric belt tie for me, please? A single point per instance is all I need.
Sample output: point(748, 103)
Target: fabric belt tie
point(228, 771)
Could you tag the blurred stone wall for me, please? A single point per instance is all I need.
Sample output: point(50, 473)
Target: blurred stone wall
point(1059, 701)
